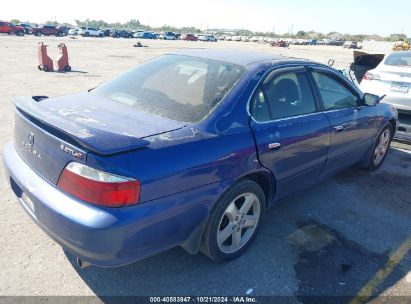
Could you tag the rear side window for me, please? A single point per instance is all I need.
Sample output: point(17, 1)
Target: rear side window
point(287, 95)
point(333, 93)
point(177, 87)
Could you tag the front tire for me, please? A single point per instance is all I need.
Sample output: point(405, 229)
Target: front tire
point(380, 148)
point(234, 221)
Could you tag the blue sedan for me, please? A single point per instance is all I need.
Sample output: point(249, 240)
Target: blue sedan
point(187, 149)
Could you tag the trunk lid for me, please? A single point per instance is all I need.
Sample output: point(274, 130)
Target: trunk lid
point(51, 132)
point(96, 123)
point(364, 62)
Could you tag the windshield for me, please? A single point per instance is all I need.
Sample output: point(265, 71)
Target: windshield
point(177, 87)
point(399, 59)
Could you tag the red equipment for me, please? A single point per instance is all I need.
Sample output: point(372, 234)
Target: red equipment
point(280, 43)
point(62, 63)
point(46, 64)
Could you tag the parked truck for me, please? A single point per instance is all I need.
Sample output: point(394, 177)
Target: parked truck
point(10, 28)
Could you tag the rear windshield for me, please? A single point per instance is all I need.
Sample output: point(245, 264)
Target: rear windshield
point(399, 59)
point(177, 87)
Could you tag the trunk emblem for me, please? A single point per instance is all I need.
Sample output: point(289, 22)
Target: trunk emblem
point(30, 144)
point(72, 152)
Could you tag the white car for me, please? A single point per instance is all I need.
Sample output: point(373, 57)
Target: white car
point(73, 31)
point(254, 39)
point(90, 32)
point(138, 34)
point(392, 77)
point(168, 36)
point(209, 38)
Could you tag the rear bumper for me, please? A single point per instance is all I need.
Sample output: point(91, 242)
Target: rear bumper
point(108, 236)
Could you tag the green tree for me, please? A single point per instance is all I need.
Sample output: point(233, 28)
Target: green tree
point(51, 23)
point(301, 34)
point(397, 37)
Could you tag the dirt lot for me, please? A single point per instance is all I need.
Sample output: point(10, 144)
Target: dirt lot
point(346, 235)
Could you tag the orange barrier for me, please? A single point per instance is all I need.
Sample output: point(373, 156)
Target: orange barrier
point(46, 63)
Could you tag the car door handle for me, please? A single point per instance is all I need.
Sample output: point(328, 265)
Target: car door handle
point(274, 146)
point(338, 128)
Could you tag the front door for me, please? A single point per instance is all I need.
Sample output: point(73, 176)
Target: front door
point(353, 125)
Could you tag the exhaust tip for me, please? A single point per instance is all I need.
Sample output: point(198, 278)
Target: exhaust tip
point(82, 264)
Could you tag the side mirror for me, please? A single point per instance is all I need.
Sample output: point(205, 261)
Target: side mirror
point(371, 99)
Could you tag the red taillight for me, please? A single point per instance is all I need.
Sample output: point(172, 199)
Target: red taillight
point(371, 76)
point(98, 187)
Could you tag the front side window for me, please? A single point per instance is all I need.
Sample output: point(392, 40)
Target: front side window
point(177, 87)
point(333, 93)
point(287, 95)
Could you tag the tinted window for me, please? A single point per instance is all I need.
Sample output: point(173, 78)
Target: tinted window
point(284, 96)
point(259, 107)
point(177, 87)
point(333, 93)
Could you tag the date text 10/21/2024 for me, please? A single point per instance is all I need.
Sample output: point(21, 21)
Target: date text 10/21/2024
point(206, 299)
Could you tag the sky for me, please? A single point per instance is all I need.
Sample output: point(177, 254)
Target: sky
point(381, 17)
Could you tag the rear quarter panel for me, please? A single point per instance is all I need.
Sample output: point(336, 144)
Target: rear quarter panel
point(181, 160)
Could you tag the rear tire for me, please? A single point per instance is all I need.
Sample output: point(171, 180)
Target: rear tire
point(380, 148)
point(67, 68)
point(234, 221)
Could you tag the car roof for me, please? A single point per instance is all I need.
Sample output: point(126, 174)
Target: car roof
point(240, 57)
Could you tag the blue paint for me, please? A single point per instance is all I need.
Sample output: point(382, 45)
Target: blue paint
point(183, 167)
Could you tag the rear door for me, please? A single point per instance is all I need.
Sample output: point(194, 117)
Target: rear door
point(353, 124)
point(291, 134)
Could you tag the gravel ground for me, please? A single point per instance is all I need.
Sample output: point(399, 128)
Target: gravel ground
point(347, 234)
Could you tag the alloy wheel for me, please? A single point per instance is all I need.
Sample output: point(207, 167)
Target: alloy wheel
point(238, 222)
point(382, 147)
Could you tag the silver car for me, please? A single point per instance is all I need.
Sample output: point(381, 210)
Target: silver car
point(392, 78)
